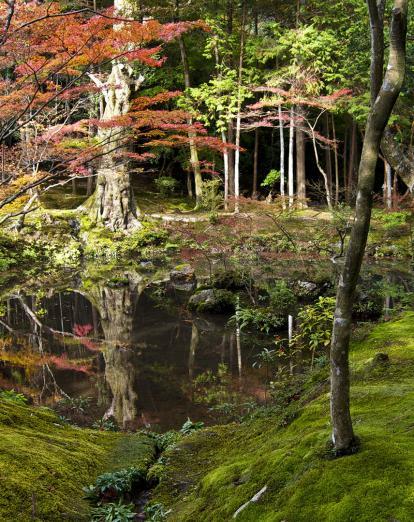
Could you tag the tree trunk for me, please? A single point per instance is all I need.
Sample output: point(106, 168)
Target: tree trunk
point(113, 204)
point(336, 162)
point(282, 157)
point(300, 168)
point(194, 159)
point(351, 165)
point(291, 189)
point(342, 434)
point(239, 108)
point(255, 162)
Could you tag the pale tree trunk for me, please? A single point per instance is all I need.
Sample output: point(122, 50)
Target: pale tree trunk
point(387, 185)
point(336, 159)
point(282, 157)
point(239, 108)
point(291, 189)
point(342, 431)
point(113, 204)
point(226, 172)
point(300, 168)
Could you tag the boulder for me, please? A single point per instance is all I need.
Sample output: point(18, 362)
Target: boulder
point(212, 301)
point(183, 277)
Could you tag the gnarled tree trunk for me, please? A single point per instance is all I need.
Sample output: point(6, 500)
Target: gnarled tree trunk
point(113, 204)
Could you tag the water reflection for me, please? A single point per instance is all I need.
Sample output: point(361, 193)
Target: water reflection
point(133, 349)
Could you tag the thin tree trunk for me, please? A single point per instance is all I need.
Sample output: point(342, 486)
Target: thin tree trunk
point(352, 156)
point(194, 159)
point(239, 108)
point(336, 160)
point(300, 168)
point(328, 157)
point(291, 189)
point(255, 162)
point(282, 158)
point(387, 185)
point(342, 430)
point(226, 172)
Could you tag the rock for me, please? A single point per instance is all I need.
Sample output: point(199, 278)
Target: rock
point(183, 277)
point(212, 301)
point(307, 286)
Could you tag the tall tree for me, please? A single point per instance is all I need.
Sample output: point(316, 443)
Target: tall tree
point(384, 94)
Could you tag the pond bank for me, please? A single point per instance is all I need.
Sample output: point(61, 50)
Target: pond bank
point(210, 475)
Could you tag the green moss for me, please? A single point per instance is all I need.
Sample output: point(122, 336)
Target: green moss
point(212, 473)
point(44, 464)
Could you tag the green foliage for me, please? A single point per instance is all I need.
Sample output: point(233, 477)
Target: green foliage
point(271, 179)
point(189, 427)
point(262, 319)
point(315, 325)
point(156, 512)
point(227, 465)
point(77, 404)
point(108, 424)
point(166, 185)
point(116, 485)
point(13, 396)
point(211, 197)
point(281, 298)
point(112, 512)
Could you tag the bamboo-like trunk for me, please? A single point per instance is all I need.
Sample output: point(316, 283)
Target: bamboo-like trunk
point(300, 168)
point(342, 429)
point(282, 157)
point(291, 189)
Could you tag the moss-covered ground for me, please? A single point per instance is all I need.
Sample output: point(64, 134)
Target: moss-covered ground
point(214, 472)
point(44, 463)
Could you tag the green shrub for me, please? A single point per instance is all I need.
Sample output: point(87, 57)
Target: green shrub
point(116, 485)
point(166, 185)
point(211, 195)
point(281, 298)
point(13, 396)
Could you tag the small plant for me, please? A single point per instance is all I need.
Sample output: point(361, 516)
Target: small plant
point(109, 424)
point(190, 427)
point(13, 396)
point(77, 404)
point(166, 185)
point(271, 180)
point(112, 512)
point(112, 486)
point(315, 325)
point(261, 319)
point(156, 512)
point(281, 298)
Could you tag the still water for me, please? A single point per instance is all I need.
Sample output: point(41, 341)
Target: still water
point(131, 347)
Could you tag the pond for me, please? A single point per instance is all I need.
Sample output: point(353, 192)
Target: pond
point(127, 348)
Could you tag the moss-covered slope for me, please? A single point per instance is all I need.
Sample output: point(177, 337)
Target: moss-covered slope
point(44, 464)
point(214, 472)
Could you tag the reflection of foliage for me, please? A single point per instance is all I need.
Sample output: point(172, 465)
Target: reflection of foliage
point(13, 396)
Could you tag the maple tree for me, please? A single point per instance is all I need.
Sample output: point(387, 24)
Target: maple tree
point(54, 65)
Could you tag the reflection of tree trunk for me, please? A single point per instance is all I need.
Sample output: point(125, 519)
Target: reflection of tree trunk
point(116, 307)
point(195, 339)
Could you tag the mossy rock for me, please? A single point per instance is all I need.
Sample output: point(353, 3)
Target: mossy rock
point(44, 463)
point(212, 301)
